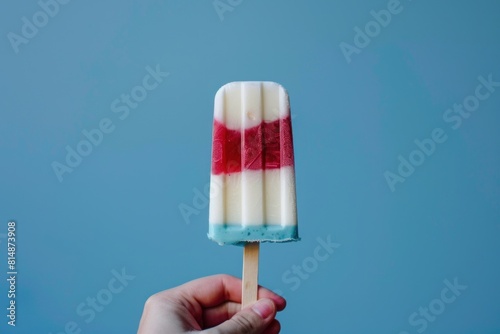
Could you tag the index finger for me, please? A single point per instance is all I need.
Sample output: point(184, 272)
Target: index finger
point(213, 290)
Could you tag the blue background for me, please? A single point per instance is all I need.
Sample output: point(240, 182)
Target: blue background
point(120, 207)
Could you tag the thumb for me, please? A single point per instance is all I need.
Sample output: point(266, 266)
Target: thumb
point(251, 320)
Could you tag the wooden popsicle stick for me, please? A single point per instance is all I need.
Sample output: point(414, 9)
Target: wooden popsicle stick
point(250, 273)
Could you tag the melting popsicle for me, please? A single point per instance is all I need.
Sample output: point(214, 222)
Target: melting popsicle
point(252, 184)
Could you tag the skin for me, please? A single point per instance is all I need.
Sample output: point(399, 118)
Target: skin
point(210, 305)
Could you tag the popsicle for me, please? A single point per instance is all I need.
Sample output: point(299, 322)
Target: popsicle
point(252, 183)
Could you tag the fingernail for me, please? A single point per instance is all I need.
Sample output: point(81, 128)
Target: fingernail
point(264, 308)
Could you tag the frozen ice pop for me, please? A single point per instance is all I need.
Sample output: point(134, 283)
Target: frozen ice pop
point(252, 183)
point(252, 186)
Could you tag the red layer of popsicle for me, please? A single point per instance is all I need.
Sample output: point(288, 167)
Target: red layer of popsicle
point(265, 146)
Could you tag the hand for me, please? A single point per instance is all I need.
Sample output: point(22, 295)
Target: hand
point(210, 305)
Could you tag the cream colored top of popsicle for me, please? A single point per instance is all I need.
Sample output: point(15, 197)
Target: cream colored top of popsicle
point(261, 101)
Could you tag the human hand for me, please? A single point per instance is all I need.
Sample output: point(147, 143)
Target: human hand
point(210, 305)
